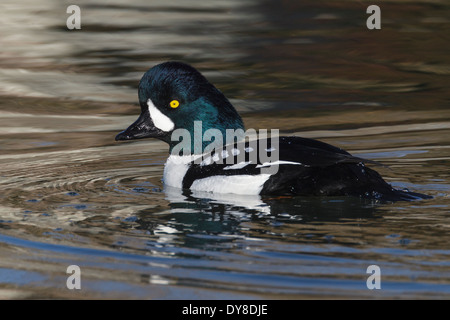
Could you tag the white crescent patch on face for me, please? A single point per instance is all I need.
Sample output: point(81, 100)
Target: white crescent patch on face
point(160, 120)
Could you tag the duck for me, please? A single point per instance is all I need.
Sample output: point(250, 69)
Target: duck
point(182, 108)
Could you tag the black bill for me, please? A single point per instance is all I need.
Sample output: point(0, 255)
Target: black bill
point(142, 128)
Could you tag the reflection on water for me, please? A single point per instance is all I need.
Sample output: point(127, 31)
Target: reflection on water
point(70, 195)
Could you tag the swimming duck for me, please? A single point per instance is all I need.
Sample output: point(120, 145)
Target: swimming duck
point(176, 99)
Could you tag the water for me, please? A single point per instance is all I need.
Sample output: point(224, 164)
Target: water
point(71, 195)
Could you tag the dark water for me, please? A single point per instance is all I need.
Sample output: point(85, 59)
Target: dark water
point(71, 195)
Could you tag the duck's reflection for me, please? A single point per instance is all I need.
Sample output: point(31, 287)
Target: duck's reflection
point(232, 202)
point(208, 217)
point(316, 208)
point(219, 220)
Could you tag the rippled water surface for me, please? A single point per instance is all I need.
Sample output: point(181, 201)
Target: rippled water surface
point(71, 195)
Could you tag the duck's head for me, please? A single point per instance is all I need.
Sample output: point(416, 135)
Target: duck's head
point(174, 95)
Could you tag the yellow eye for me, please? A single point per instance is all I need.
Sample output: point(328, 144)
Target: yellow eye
point(174, 104)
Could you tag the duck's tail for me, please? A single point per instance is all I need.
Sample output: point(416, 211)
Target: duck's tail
point(375, 187)
point(353, 180)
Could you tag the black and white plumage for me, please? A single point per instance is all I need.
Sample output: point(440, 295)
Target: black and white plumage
point(304, 167)
point(174, 96)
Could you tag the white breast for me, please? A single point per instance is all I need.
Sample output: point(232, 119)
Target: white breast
point(175, 170)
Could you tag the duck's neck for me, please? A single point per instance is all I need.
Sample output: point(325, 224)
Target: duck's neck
point(200, 139)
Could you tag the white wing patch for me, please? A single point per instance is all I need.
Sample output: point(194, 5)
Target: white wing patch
point(160, 120)
point(206, 162)
point(215, 157)
point(239, 184)
point(237, 165)
point(276, 163)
